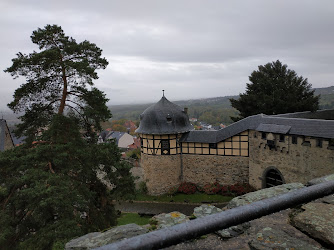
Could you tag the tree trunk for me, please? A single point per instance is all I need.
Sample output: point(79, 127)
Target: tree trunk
point(63, 98)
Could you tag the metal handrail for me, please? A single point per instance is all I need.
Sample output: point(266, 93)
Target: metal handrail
point(232, 217)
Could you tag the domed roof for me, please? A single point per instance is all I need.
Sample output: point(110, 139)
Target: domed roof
point(164, 117)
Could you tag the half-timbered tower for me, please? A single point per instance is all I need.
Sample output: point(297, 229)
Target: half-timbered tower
point(161, 127)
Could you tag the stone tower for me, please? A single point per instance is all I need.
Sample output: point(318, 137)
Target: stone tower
point(161, 126)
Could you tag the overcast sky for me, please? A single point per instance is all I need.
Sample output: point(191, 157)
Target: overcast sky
point(190, 48)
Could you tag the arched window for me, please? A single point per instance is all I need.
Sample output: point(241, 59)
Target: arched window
point(272, 177)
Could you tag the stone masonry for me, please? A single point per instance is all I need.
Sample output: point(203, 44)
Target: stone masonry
point(297, 162)
point(161, 172)
point(204, 169)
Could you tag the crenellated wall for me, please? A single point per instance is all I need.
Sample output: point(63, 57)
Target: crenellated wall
point(300, 161)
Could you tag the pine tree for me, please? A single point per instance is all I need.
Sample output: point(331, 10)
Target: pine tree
point(57, 80)
point(275, 89)
point(59, 184)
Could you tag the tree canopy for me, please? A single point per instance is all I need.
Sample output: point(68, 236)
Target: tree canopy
point(60, 184)
point(57, 80)
point(275, 89)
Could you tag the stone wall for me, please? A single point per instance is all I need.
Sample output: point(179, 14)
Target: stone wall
point(299, 162)
point(203, 169)
point(161, 172)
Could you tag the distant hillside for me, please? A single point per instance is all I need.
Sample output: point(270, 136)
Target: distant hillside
point(326, 97)
point(324, 91)
point(224, 102)
point(212, 110)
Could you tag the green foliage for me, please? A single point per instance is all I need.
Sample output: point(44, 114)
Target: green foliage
point(60, 184)
point(53, 191)
point(142, 188)
point(56, 82)
point(275, 89)
point(127, 218)
point(212, 188)
point(187, 188)
point(135, 153)
point(172, 191)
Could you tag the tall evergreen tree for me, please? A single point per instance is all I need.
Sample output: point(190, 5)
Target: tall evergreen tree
point(59, 184)
point(57, 78)
point(275, 89)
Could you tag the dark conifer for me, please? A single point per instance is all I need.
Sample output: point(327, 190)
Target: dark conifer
point(275, 89)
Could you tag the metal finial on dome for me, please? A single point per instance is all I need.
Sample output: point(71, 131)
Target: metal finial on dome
point(163, 93)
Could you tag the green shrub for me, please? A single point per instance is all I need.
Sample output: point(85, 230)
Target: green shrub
point(142, 188)
point(187, 188)
point(172, 191)
point(214, 188)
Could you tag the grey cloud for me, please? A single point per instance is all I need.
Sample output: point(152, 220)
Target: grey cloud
point(191, 48)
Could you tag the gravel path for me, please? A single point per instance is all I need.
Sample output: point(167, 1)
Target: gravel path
point(153, 208)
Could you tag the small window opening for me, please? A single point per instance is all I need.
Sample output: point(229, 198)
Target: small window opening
point(169, 118)
point(271, 144)
point(281, 138)
point(165, 148)
point(264, 135)
point(294, 139)
point(319, 143)
point(331, 144)
point(306, 142)
point(213, 145)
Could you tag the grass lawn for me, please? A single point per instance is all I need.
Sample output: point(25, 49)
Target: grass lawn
point(127, 218)
point(191, 198)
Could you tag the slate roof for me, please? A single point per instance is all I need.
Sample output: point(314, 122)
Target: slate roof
point(273, 128)
point(326, 114)
point(104, 135)
point(164, 117)
point(116, 135)
point(107, 135)
point(274, 124)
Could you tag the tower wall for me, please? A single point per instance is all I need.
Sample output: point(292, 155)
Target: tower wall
point(161, 162)
point(161, 172)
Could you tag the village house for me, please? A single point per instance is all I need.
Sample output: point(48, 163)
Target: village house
point(261, 150)
point(123, 140)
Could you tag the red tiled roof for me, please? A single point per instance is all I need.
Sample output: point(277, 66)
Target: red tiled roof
point(136, 143)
